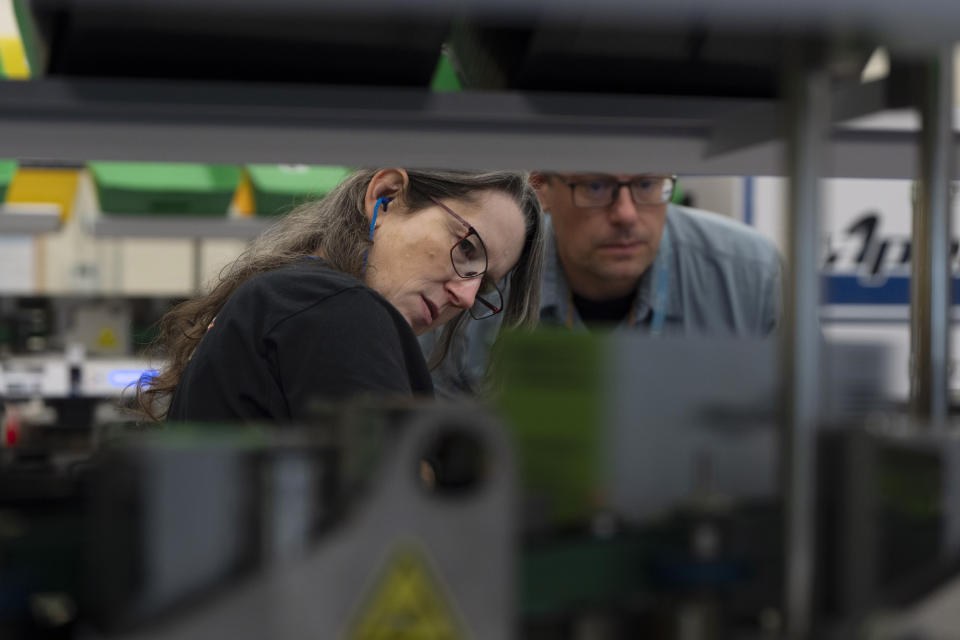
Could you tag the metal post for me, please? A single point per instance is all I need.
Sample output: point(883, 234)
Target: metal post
point(930, 281)
point(197, 264)
point(808, 107)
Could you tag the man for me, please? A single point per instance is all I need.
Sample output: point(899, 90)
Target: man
point(621, 256)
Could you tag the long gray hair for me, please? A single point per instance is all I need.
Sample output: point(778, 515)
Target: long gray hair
point(336, 227)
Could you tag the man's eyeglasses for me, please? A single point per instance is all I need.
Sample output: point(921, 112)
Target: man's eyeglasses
point(602, 191)
point(469, 258)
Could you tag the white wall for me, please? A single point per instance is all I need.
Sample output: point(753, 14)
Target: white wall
point(884, 317)
point(719, 194)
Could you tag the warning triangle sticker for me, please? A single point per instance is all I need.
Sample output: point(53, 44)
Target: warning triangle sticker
point(407, 602)
point(107, 338)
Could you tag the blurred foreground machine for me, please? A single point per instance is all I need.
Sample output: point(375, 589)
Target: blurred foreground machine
point(889, 532)
point(665, 519)
point(388, 521)
point(646, 503)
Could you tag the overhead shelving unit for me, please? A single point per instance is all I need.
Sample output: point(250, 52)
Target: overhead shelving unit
point(76, 119)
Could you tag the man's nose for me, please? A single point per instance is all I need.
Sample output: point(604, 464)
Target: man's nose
point(623, 210)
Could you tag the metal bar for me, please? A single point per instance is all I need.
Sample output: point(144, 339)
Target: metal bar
point(165, 121)
point(257, 122)
point(31, 223)
point(764, 122)
point(281, 105)
point(197, 246)
point(933, 18)
point(930, 283)
point(154, 226)
point(808, 109)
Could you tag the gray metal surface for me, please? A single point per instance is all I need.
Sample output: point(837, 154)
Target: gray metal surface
point(467, 542)
point(690, 419)
point(936, 19)
point(28, 223)
point(138, 120)
point(808, 118)
point(765, 122)
point(930, 267)
point(176, 226)
point(79, 120)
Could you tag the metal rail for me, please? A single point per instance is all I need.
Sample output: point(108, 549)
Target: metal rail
point(930, 283)
point(808, 108)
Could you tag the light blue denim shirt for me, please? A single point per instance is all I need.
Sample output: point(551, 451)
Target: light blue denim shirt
point(723, 279)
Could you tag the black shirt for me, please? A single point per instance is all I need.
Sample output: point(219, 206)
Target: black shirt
point(603, 314)
point(288, 337)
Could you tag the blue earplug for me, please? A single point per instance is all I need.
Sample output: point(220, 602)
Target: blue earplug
point(381, 202)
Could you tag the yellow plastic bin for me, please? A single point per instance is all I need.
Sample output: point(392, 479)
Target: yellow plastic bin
point(53, 185)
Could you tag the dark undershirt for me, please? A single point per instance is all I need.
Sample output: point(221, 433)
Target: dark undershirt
point(603, 314)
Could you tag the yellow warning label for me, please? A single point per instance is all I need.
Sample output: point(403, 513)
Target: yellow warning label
point(107, 338)
point(407, 602)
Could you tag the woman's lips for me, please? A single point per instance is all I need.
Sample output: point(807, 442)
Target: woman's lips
point(431, 310)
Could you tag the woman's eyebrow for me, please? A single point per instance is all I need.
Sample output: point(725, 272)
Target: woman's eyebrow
point(456, 227)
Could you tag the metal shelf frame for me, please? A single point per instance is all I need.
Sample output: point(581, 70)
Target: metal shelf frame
point(139, 120)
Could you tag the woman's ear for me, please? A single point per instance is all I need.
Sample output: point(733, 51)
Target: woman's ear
point(386, 183)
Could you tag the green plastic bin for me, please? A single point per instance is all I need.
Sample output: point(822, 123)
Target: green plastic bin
point(165, 188)
point(278, 188)
point(7, 169)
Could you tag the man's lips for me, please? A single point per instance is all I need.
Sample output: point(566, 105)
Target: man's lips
point(621, 244)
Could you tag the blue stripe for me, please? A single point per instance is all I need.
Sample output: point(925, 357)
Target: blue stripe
point(895, 290)
point(748, 200)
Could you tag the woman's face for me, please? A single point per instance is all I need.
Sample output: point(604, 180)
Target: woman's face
point(409, 263)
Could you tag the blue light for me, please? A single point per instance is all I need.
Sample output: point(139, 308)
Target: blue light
point(123, 378)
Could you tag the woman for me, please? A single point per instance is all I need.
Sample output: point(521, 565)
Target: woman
point(327, 303)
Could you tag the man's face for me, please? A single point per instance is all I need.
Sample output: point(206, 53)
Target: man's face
point(604, 249)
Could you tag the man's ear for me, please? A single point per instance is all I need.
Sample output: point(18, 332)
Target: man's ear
point(538, 180)
point(541, 183)
point(386, 183)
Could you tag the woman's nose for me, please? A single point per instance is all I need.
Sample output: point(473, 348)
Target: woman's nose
point(463, 291)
